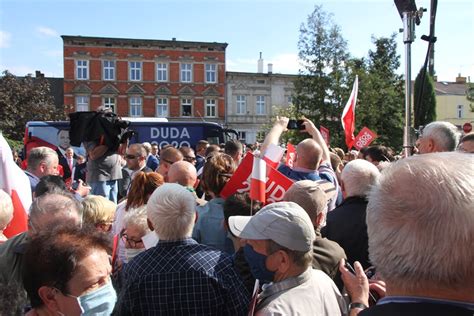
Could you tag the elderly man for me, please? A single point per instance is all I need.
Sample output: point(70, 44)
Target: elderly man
point(136, 161)
point(346, 224)
point(311, 196)
point(279, 250)
point(184, 173)
point(168, 156)
point(420, 220)
point(466, 144)
point(49, 209)
point(42, 161)
point(438, 136)
point(179, 276)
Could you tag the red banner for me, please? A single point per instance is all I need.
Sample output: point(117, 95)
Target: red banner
point(364, 138)
point(275, 187)
point(290, 154)
point(324, 133)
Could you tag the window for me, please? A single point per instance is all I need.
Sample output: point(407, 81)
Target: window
point(162, 107)
point(211, 108)
point(82, 69)
point(161, 72)
point(109, 69)
point(82, 103)
point(241, 104)
point(109, 103)
point(135, 106)
point(242, 136)
point(211, 73)
point(186, 107)
point(135, 70)
point(261, 105)
point(460, 111)
point(290, 100)
point(186, 72)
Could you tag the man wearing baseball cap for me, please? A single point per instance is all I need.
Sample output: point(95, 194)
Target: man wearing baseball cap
point(278, 249)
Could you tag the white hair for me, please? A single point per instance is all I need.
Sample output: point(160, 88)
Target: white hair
point(171, 209)
point(358, 177)
point(40, 154)
point(444, 134)
point(55, 205)
point(6, 209)
point(420, 220)
point(137, 217)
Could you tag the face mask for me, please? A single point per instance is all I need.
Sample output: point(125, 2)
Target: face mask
point(99, 302)
point(130, 253)
point(257, 265)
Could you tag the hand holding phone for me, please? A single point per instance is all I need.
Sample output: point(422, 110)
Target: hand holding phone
point(296, 125)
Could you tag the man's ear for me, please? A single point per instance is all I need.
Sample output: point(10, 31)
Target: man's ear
point(48, 296)
point(341, 184)
point(284, 261)
point(431, 145)
point(150, 225)
point(319, 219)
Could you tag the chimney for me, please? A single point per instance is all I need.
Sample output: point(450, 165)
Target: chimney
point(460, 79)
point(38, 74)
point(173, 39)
point(270, 69)
point(260, 64)
point(435, 78)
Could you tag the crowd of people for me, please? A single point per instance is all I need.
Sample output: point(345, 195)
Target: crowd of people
point(142, 230)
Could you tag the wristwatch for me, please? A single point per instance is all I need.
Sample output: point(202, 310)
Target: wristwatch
point(357, 305)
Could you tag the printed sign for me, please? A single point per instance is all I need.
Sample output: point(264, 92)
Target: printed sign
point(364, 138)
point(290, 154)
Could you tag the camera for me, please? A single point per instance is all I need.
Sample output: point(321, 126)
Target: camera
point(295, 124)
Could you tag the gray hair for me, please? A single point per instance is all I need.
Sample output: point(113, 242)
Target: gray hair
point(40, 154)
point(6, 209)
point(171, 209)
point(54, 204)
point(137, 217)
point(444, 134)
point(420, 220)
point(358, 177)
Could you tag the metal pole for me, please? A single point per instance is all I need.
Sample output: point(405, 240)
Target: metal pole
point(408, 36)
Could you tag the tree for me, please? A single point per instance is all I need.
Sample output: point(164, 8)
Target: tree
point(424, 108)
point(322, 83)
point(24, 99)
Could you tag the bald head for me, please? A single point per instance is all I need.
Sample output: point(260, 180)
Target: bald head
point(182, 172)
point(309, 154)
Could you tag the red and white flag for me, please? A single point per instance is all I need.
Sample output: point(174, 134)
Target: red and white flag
point(348, 115)
point(258, 180)
point(15, 183)
point(290, 154)
point(324, 133)
point(273, 155)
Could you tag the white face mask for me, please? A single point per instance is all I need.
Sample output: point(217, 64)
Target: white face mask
point(130, 253)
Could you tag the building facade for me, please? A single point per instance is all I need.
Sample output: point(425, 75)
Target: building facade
point(452, 104)
point(253, 98)
point(146, 78)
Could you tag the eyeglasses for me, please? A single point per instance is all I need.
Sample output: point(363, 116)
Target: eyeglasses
point(189, 158)
point(130, 157)
point(168, 161)
point(132, 242)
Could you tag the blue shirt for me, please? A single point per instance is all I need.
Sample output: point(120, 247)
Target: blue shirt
point(182, 278)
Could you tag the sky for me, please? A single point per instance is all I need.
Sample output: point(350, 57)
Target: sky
point(30, 30)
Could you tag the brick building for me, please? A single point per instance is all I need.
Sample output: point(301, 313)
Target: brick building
point(146, 78)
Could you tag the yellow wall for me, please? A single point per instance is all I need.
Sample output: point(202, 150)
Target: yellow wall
point(446, 109)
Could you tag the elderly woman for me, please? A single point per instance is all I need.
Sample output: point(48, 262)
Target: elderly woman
point(98, 212)
point(67, 271)
point(209, 228)
point(135, 228)
point(6, 213)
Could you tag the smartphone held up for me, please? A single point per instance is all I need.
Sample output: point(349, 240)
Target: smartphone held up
point(296, 124)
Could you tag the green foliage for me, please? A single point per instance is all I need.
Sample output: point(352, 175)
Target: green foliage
point(24, 99)
point(425, 110)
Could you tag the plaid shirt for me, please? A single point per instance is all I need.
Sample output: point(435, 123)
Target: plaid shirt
point(182, 278)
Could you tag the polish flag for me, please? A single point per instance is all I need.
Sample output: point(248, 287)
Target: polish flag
point(348, 115)
point(258, 180)
point(15, 183)
point(273, 155)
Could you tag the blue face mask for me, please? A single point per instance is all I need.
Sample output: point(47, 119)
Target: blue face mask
point(257, 265)
point(99, 302)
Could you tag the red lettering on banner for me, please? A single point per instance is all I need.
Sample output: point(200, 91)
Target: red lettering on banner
point(290, 154)
point(276, 183)
point(364, 138)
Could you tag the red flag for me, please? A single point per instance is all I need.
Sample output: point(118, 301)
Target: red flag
point(258, 180)
point(290, 154)
point(15, 182)
point(324, 133)
point(364, 138)
point(273, 155)
point(348, 115)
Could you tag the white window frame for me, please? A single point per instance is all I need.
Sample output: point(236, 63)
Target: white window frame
point(186, 72)
point(460, 111)
point(211, 73)
point(107, 104)
point(161, 69)
point(82, 103)
point(211, 108)
point(108, 69)
point(260, 107)
point(135, 73)
point(162, 107)
point(81, 66)
point(136, 106)
point(241, 108)
point(183, 102)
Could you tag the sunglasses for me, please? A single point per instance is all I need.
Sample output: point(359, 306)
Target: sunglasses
point(130, 157)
